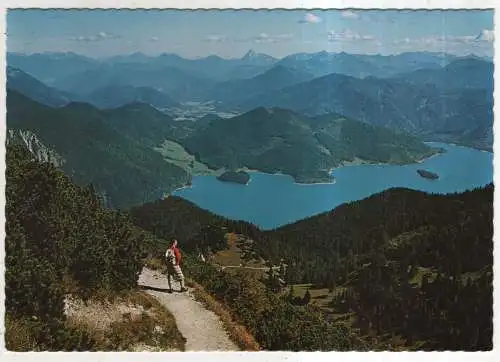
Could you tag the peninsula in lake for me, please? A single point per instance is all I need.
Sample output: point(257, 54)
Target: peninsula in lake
point(240, 177)
point(276, 140)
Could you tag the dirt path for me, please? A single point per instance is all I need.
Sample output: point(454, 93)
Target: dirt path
point(248, 267)
point(202, 328)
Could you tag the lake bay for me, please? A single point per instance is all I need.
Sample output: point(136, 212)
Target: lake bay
point(270, 201)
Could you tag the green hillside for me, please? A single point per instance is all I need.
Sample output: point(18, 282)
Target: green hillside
point(113, 150)
point(409, 268)
point(278, 140)
point(59, 242)
point(399, 270)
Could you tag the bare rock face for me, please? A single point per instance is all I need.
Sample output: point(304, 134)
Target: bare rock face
point(36, 147)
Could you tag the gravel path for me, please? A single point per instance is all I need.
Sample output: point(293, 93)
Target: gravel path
point(248, 267)
point(202, 328)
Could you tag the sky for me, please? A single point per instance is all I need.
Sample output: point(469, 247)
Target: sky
point(230, 33)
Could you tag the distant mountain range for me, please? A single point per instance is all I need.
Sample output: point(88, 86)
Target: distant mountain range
point(360, 66)
point(112, 96)
point(434, 96)
point(462, 73)
point(26, 84)
point(453, 103)
point(274, 78)
point(49, 66)
point(169, 80)
point(52, 67)
point(169, 72)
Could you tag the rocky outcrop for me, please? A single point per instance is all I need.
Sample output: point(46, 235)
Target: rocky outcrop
point(35, 146)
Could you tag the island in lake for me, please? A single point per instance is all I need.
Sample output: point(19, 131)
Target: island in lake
point(240, 177)
point(427, 174)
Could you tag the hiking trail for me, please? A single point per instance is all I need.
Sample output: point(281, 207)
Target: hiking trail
point(201, 327)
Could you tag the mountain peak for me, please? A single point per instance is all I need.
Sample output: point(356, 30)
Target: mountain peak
point(213, 57)
point(322, 54)
point(252, 57)
point(486, 35)
point(169, 55)
point(250, 54)
point(138, 55)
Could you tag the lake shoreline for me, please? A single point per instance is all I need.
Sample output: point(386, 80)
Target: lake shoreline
point(331, 181)
point(271, 202)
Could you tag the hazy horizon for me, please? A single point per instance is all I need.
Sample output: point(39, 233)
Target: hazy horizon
point(238, 57)
point(231, 34)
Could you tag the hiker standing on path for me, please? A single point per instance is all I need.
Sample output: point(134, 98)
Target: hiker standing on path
point(173, 257)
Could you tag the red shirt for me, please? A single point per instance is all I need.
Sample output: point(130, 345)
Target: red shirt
point(178, 256)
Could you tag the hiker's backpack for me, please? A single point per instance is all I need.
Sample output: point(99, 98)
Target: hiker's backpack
point(170, 256)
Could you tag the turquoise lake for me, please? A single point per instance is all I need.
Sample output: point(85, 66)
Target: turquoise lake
point(270, 201)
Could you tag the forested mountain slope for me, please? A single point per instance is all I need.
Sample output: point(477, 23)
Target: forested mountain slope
point(278, 140)
point(404, 262)
point(98, 146)
point(405, 269)
point(60, 241)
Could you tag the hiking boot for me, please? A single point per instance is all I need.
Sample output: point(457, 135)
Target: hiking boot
point(183, 290)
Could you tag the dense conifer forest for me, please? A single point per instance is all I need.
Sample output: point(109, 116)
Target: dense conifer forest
point(405, 262)
point(197, 229)
point(406, 268)
point(60, 240)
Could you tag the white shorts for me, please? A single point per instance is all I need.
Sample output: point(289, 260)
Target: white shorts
point(176, 271)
